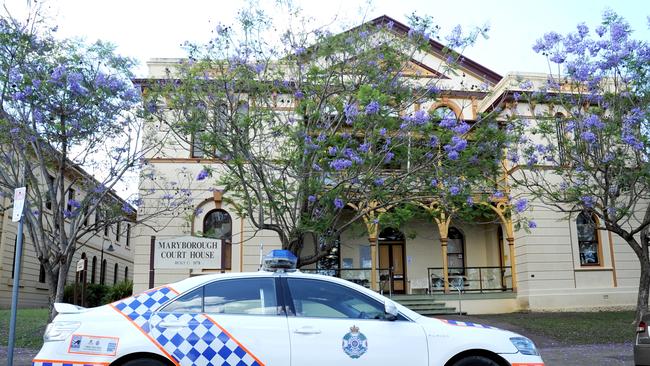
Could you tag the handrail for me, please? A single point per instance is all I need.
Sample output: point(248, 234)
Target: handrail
point(472, 279)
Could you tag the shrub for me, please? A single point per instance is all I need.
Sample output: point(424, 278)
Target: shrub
point(118, 291)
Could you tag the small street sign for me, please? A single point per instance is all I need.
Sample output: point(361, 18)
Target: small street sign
point(81, 264)
point(19, 203)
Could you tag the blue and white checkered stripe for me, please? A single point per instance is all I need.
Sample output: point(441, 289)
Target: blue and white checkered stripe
point(64, 363)
point(467, 324)
point(199, 341)
point(193, 339)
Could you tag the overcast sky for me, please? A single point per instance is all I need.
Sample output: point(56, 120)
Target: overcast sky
point(147, 29)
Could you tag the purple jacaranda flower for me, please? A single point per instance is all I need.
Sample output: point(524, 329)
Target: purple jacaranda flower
point(167, 196)
point(311, 198)
point(498, 194)
point(382, 132)
point(588, 201)
point(351, 111)
point(593, 121)
point(454, 190)
point(470, 201)
point(379, 181)
point(365, 147)
point(521, 205)
point(389, 156)
point(453, 155)
point(462, 128)
point(202, 175)
point(338, 203)
point(532, 224)
point(74, 203)
point(340, 164)
point(588, 136)
point(372, 107)
point(316, 167)
point(332, 150)
point(298, 94)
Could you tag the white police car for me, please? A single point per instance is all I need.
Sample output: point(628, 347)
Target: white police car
point(273, 318)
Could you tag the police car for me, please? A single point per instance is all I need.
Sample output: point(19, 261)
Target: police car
point(275, 317)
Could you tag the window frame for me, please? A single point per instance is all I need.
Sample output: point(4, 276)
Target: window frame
point(597, 242)
point(279, 297)
point(290, 306)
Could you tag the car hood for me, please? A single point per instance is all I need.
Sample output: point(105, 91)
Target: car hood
point(470, 335)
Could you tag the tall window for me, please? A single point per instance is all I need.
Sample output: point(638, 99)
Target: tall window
point(71, 195)
point(455, 252)
point(41, 274)
point(48, 201)
point(94, 270)
point(13, 264)
point(588, 243)
point(217, 121)
point(117, 232)
point(128, 235)
point(115, 274)
point(126, 273)
point(102, 273)
point(561, 131)
point(218, 224)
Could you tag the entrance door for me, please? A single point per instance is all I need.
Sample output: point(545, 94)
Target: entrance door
point(391, 255)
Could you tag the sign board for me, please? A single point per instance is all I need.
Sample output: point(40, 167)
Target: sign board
point(19, 203)
point(81, 264)
point(187, 252)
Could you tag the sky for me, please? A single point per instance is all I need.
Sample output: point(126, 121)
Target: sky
point(147, 29)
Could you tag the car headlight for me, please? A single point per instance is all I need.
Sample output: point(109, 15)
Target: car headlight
point(525, 346)
point(59, 331)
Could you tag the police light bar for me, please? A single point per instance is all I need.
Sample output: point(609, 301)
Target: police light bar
point(279, 259)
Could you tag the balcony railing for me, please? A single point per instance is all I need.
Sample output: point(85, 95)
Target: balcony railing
point(360, 276)
point(472, 279)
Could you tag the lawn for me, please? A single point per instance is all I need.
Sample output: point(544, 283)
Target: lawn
point(570, 328)
point(29, 327)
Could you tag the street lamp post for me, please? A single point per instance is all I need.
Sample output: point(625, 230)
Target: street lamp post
point(102, 270)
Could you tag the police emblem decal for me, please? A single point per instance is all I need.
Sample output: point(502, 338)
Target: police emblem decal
point(355, 344)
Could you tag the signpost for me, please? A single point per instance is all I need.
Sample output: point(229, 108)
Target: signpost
point(19, 205)
point(80, 276)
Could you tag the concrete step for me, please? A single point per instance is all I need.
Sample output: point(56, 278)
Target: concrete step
point(424, 305)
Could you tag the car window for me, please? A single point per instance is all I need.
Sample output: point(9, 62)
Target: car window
point(254, 296)
point(191, 302)
point(322, 299)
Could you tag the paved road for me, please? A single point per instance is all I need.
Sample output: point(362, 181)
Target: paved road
point(587, 355)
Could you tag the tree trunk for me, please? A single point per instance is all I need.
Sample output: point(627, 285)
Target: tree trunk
point(644, 286)
point(57, 289)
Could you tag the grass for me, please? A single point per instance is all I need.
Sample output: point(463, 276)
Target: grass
point(30, 326)
point(571, 328)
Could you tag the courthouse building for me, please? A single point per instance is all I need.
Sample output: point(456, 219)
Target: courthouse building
point(562, 264)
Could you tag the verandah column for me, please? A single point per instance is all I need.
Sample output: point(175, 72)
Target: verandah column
point(443, 227)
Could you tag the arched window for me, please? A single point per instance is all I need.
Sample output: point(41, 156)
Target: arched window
point(94, 270)
point(588, 240)
point(84, 274)
point(455, 252)
point(218, 224)
point(126, 273)
point(443, 112)
point(115, 274)
point(102, 273)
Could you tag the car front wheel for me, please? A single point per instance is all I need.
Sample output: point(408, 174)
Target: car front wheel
point(475, 361)
point(144, 362)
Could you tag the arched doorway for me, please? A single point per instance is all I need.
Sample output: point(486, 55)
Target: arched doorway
point(456, 252)
point(218, 224)
point(391, 256)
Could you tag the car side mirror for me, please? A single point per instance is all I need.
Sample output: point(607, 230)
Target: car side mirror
point(391, 310)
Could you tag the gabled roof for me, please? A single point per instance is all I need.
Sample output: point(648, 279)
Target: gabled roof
point(437, 47)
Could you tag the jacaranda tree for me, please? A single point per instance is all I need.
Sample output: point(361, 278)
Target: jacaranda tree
point(588, 153)
point(67, 109)
point(308, 124)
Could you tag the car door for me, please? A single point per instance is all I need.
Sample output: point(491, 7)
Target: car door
point(225, 322)
point(332, 324)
